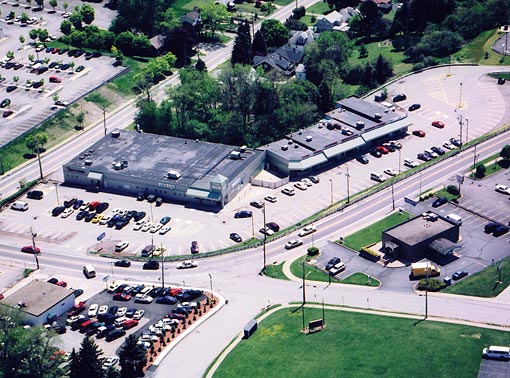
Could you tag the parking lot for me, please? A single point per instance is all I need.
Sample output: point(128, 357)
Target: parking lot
point(494, 369)
point(29, 105)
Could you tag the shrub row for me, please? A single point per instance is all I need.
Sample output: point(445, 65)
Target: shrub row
point(368, 254)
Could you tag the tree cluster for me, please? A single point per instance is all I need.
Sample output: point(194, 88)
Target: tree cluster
point(239, 107)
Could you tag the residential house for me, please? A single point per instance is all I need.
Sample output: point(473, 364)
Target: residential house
point(383, 5)
point(193, 18)
point(158, 43)
point(335, 21)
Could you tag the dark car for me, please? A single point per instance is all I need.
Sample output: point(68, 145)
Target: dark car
point(165, 220)
point(78, 53)
point(362, 159)
point(80, 68)
point(273, 226)
point(151, 265)
point(88, 55)
point(390, 147)
point(53, 280)
point(159, 201)
point(236, 237)
point(166, 300)
point(194, 247)
point(69, 202)
point(102, 207)
point(123, 263)
point(11, 88)
point(438, 150)
point(439, 202)
point(181, 310)
point(139, 215)
point(455, 142)
point(375, 153)
point(35, 194)
point(30, 249)
point(62, 51)
point(37, 84)
point(77, 204)
point(120, 288)
point(115, 334)
point(151, 198)
point(65, 66)
point(113, 310)
point(243, 214)
point(332, 262)
point(414, 107)
point(257, 204)
point(5, 102)
point(490, 227)
point(7, 113)
point(77, 292)
point(458, 275)
point(424, 157)
point(57, 211)
point(89, 217)
point(188, 295)
point(500, 230)
point(399, 97)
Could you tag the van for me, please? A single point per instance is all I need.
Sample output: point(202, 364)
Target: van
point(89, 271)
point(377, 177)
point(115, 334)
point(147, 250)
point(35, 194)
point(454, 218)
point(119, 322)
point(496, 353)
point(20, 206)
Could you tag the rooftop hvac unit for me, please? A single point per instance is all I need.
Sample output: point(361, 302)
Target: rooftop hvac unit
point(360, 125)
point(235, 155)
point(378, 116)
point(285, 148)
point(308, 138)
point(243, 148)
point(173, 174)
point(115, 133)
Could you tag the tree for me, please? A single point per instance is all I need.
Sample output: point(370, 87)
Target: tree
point(36, 142)
point(294, 24)
point(10, 55)
point(53, 4)
point(33, 34)
point(80, 118)
point(383, 69)
point(242, 50)
point(43, 35)
point(340, 4)
point(298, 109)
point(132, 358)
point(66, 27)
point(24, 18)
point(259, 44)
point(369, 20)
point(213, 15)
point(440, 43)
point(401, 21)
point(87, 13)
point(86, 363)
point(76, 20)
point(275, 33)
point(22, 39)
point(200, 65)
point(505, 152)
point(324, 99)
point(363, 52)
point(480, 170)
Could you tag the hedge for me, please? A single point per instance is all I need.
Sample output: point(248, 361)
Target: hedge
point(369, 254)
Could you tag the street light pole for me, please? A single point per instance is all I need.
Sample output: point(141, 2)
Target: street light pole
point(304, 295)
point(331, 182)
point(40, 163)
point(399, 160)
point(56, 192)
point(210, 285)
point(265, 236)
point(474, 158)
point(427, 292)
point(392, 195)
point(162, 268)
point(420, 183)
point(460, 96)
point(467, 130)
point(460, 131)
point(104, 119)
point(33, 235)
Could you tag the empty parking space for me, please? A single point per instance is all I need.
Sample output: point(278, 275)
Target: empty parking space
point(494, 369)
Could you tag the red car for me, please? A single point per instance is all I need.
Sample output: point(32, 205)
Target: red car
point(438, 124)
point(382, 150)
point(7, 113)
point(94, 204)
point(419, 133)
point(76, 309)
point(123, 297)
point(62, 283)
point(130, 323)
point(174, 291)
point(30, 249)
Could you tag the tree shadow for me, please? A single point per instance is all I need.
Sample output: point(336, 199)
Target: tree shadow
point(29, 155)
point(504, 163)
point(78, 127)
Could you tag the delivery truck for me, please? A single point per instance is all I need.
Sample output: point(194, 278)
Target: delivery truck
point(421, 269)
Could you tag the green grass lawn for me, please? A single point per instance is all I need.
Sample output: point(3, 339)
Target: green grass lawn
point(276, 271)
point(475, 50)
point(361, 279)
point(358, 345)
point(319, 8)
point(312, 273)
point(284, 2)
point(98, 99)
point(372, 234)
point(483, 283)
point(444, 193)
point(124, 84)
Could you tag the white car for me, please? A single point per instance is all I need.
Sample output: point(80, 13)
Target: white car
point(144, 299)
point(293, 243)
point(93, 310)
point(67, 212)
point(448, 145)
point(32, 20)
point(139, 225)
point(164, 230)
point(288, 190)
point(138, 314)
point(188, 304)
point(156, 228)
point(410, 163)
point(502, 189)
point(307, 182)
point(120, 246)
point(270, 198)
point(84, 206)
point(390, 172)
point(307, 230)
point(66, 14)
point(112, 287)
point(105, 219)
point(187, 264)
point(147, 226)
point(266, 231)
point(110, 362)
point(300, 185)
point(102, 310)
point(121, 311)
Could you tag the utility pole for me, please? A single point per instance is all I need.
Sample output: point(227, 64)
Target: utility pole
point(104, 119)
point(210, 284)
point(40, 164)
point(331, 182)
point(347, 176)
point(265, 236)
point(392, 195)
point(427, 292)
point(304, 296)
point(460, 132)
point(163, 268)
point(467, 130)
point(460, 96)
point(33, 235)
point(56, 192)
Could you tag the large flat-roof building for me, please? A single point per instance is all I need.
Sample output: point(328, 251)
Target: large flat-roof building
point(39, 300)
point(415, 238)
point(175, 169)
point(354, 126)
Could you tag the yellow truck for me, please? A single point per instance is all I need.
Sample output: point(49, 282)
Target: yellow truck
point(421, 269)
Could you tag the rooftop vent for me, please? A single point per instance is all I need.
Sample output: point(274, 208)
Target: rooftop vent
point(300, 132)
point(115, 133)
point(308, 138)
point(291, 141)
point(88, 162)
point(235, 155)
point(296, 146)
point(21, 304)
point(173, 174)
point(243, 148)
point(360, 125)
point(378, 116)
point(285, 148)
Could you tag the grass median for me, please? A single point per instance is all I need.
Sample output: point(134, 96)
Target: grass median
point(358, 345)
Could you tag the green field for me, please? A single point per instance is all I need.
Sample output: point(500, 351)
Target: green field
point(312, 273)
point(372, 234)
point(319, 8)
point(358, 345)
point(276, 271)
point(361, 279)
point(483, 283)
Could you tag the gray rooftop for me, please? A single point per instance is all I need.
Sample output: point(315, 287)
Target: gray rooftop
point(38, 296)
point(418, 229)
point(151, 156)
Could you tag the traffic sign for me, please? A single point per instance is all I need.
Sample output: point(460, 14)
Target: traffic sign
point(106, 278)
point(101, 237)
